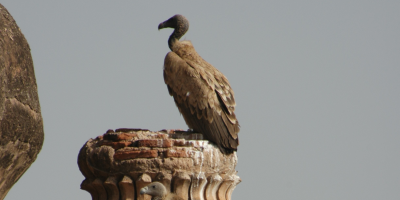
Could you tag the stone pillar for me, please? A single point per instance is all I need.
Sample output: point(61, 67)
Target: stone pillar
point(117, 164)
point(21, 125)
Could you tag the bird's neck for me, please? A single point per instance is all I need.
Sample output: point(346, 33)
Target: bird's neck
point(173, 40)
point(180, 28)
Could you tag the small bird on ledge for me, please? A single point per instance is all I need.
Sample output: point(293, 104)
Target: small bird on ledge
point(157, 191)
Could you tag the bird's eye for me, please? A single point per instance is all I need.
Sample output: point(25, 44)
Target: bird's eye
point(154, 186)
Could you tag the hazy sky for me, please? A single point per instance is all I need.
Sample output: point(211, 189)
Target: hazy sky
point(316, 85)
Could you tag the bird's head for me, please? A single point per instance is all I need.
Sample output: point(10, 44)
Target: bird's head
point(155, 189)
point(176, 22)
point(180, 25)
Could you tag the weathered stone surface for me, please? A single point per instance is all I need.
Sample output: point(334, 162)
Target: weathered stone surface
point(21, 126)
point(188, 166)
point(141, 182)
point(176, 153)
point(126, 187)
point(111, 185)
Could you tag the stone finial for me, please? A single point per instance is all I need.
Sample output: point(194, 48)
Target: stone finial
point(118, 164)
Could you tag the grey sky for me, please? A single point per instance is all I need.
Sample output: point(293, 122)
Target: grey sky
point(316, 84)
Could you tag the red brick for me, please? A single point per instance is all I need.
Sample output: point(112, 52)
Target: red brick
point(116, 145)
point(155, 143)
point(126, 155)
point(171, 153)
point(126, 136)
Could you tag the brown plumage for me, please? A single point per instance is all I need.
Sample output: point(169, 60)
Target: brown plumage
point(201, 92)
point(157, 191)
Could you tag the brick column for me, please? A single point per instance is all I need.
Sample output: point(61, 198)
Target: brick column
point(117, 164)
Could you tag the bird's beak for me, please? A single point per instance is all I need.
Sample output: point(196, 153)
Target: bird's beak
point(167, 24)
point(161, 26)
point(143, 190)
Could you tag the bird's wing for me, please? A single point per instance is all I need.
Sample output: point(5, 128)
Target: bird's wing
point(185, 82)
point(219, 83)
point(203, 88)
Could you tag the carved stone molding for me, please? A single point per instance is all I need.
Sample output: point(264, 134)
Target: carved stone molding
point(118, 164)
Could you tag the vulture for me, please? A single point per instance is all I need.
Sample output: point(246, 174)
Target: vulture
point(201, 92)
point(157, 191)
